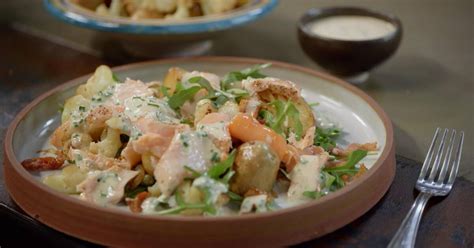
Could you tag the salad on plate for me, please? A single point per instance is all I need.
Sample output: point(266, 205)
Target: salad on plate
point(195, 143)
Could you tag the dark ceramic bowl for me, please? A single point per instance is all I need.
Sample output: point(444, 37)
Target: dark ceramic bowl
point(347, 58)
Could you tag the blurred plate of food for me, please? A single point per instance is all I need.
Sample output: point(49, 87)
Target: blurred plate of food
point(159, 16)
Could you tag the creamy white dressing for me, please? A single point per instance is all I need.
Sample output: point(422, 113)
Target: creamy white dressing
point(105, 187)
point(305, 176)
point(256, 202)
point(215, 188)
point(347, 27)
point(193, 149)
point(150, 107)
point(217, 130)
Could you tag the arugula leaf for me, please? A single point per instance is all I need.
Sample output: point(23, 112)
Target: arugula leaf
point(266, 115)
point(164, 91)
point(348, 168)
point(349, 165)
point(179, 209)
point(234, 196)
point(326, 138)
point(294, 118)
point(228, 176)
point(203, 83)
point(238, 92)
point(115, 78)
point(312, 194)
point(219, 168)
point(235, 76)
point(179, 198)
point(254, 71)
point(286, 118)
point(328, 179)
point(210, 209)
point(178, 99)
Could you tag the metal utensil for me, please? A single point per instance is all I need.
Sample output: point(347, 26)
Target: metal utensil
point(433, 181)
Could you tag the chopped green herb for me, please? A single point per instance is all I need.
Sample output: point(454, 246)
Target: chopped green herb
point(215, 157)
point(82, 108)
point(154, 105)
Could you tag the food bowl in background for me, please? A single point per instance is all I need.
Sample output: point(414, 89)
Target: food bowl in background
point(349, 48)
point(158, 38)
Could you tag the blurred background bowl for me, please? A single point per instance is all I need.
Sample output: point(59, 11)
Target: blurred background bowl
point(155, 38)
point(350, 59)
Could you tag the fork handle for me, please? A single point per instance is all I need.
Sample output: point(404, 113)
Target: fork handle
point(406, 233)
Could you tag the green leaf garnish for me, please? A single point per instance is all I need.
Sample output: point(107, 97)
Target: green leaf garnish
point(115, 78)
point(235, 76)
point(349, 165)
point(164, 91)
point(219, 168)
point(326, 138)
point(234, 197)
point(286, 118)
point(203, 83)
point(178, 99)
point(348, 168)
point(312, 194)
point(238, 92)
point(227, 176)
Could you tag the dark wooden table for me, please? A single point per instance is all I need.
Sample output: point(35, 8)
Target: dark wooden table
point(31, 65)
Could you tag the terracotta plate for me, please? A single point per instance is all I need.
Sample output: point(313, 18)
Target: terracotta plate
point(362, 119)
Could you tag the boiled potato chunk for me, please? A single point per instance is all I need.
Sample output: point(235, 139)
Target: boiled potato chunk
point(256, 168)
point(67, 180)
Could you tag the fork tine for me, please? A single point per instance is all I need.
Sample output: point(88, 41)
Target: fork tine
point(429, 156)
point(457, 161)
point(447, 158)
point(439, 155)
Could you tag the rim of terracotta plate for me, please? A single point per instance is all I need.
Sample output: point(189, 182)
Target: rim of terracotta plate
point(10, 154)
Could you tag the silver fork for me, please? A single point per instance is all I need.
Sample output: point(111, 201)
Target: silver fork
point(433, 181)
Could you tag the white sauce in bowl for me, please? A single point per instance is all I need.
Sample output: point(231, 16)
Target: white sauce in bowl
point(349, 27)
